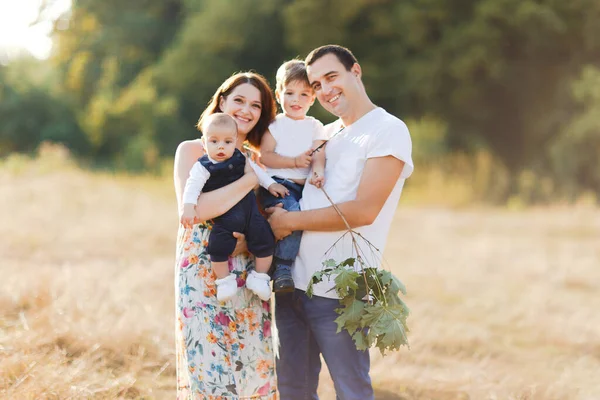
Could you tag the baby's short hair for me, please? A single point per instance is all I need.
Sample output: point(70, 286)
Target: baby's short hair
point(218, 120)
point(291, 71)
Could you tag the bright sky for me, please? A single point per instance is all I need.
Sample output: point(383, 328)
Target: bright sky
point(17, 32)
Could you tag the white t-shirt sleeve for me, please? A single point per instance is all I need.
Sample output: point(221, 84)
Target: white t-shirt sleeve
point(319, 131)
point(394, 140)
point(263, 177)
point(194, 183)
point(274, 129)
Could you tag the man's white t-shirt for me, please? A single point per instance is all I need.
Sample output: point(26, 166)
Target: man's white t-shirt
point(293, 138)
point(376, 134)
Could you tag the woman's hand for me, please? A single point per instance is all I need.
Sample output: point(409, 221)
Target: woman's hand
point(241, 246)
point(248, 170)
point(188, 216)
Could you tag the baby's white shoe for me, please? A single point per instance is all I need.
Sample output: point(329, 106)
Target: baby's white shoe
point(226, 287)
point(259, 284)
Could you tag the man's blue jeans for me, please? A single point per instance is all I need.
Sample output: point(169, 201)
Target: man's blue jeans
point(287, 248)
point(307, 329)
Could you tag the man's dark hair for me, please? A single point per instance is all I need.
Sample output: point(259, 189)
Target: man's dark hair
point(343, 54)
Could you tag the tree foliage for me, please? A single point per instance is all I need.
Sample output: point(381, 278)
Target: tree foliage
point(371, 310)
point(514, 77)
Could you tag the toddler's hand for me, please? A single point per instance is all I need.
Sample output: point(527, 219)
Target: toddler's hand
point(188, 216)
point(278, 190)
point(317, 179)
point(303, 160)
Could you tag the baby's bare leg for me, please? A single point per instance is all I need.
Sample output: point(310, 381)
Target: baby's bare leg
point(221, 268)
point(263, 264)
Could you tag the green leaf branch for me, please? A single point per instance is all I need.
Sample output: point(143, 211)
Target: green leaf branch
point(371, 309)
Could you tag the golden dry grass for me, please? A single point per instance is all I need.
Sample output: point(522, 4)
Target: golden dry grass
point(504, 303)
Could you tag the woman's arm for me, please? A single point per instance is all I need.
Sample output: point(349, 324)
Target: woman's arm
point(217, 202)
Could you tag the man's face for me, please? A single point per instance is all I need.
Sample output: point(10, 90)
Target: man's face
point(336, 88)
point(220, 142)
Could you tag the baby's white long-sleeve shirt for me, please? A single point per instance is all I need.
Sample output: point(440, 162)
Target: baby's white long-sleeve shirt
point(199, 175)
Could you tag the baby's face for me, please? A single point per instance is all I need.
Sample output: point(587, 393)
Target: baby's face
point(220, 142)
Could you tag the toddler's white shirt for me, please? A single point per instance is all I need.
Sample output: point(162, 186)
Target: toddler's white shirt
point(293, 138)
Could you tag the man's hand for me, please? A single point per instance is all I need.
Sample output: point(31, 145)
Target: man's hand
point(317, 179)
point(303, 160)
point(241, 246)
point(278, 190)
point(277, 220)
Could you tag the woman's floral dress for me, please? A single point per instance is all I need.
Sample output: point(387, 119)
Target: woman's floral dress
point(224, 350)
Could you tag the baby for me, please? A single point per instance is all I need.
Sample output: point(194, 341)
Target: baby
point(287, 150)
point(223, 164)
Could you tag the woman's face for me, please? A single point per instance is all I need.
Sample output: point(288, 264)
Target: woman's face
point(244, 105)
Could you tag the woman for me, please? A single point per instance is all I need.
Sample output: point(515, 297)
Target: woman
point(224, 350)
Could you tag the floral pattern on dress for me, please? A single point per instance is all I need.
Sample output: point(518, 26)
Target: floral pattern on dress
point(224, 350)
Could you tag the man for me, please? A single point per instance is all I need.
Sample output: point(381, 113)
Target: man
point(368, 160)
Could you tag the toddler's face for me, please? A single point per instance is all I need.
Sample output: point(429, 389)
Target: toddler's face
point(296, 98)
point(220, 142)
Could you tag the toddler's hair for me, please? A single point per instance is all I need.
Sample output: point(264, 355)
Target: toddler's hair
point(291, 71)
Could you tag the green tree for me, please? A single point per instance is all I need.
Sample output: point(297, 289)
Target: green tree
point(576, 150)
point(223, 38)
point(496, 70)
point(31, 113)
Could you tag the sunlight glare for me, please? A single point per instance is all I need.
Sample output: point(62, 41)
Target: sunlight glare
point(18, 35)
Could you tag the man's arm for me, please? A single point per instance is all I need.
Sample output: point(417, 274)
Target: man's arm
point(377, 182)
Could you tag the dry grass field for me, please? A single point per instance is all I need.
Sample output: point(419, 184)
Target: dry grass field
point(504, 303)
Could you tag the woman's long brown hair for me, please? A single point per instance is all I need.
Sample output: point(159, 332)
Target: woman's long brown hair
point(268, 110)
